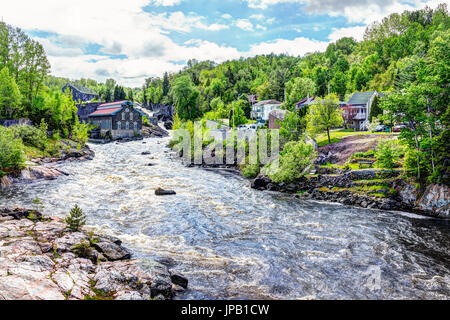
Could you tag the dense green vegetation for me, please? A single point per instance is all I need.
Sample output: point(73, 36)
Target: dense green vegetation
point(24, 72)
point(405, 55)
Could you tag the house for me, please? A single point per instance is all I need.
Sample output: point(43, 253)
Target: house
point(304, 103)
point(261, 110)
point(79, 93)
point(357, 109)
point(120, 119)
point(276, 117)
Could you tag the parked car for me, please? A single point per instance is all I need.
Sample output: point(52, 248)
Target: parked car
point(380, 128)
point(398, 128)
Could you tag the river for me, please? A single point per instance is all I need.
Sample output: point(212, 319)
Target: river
point(233, 242)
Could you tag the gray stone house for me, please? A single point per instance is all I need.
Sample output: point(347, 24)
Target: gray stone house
point(120, 119)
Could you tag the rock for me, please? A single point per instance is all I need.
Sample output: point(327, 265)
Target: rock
point(5, 182)
point(179, 280)
point(112, 251)
point(162, 192)
point(260, 183)
point(168, 125)
point(146, 153)
point(407, 194)
point(436, 200)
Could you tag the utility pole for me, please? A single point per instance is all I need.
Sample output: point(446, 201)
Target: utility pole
point(233, 113)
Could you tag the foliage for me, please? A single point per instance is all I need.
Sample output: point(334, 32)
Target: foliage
point(291, 127)
point(298, 89)
point(251, 171)
point(184, 95)
point(10, 97)
point(80, 133)
point(76, 219)
point(387, 154)
point(295, 161)
point(11, 150)
point(324, 114)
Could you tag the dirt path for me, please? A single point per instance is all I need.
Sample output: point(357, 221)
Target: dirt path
point(350, 145)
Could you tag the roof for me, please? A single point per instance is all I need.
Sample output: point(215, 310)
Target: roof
point(82, 89)
point(109, 109)
point(111, 104)
point(265, 102)
point(105, 112)
point(278, 113)
point(361, 98)
point(305, 102)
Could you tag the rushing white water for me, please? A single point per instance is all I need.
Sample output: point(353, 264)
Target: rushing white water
point(235, 242)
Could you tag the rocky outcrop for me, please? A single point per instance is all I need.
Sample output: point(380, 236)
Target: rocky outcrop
point(154, 131)
point(397, 194)
point(41, 260)
point(436, 201)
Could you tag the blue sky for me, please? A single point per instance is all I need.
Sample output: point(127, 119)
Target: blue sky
point(134, 39)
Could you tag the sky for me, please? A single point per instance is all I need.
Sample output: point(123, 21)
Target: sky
point(135, 39)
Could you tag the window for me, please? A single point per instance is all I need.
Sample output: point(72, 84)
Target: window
point(119, 125)
point(131, 116)
point(135, 126)
point(123, 116)
point(127, 126)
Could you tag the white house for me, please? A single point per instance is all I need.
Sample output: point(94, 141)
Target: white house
point(262, 109)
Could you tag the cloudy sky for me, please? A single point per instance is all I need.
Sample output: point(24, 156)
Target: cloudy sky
point(135, 39)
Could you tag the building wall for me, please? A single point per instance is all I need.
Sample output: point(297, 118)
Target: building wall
point(79, 96)
point(117, 124)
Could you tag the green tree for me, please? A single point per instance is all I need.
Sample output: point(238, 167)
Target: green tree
point(11, 150)
point(298, 89)
point(76, 219)
point(185, 94)
point(375, 111)
point(324, 114)
point(10, 97)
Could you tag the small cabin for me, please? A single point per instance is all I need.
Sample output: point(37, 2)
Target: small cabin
point(119, 119)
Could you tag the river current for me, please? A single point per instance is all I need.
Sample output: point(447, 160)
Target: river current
point(233, 242)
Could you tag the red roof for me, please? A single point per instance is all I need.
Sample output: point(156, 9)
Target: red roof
point(112, 104)
point(105, 112)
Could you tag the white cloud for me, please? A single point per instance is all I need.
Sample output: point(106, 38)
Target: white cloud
point(165, 3)
point(244, 24)
point(178, 21)
point(257, 17)
point(297, 47)
point(354, 32)
point(227, 16)
point(260, 27)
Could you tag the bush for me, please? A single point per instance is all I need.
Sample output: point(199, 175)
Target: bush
point(32, 136)
point(295, 160)
point(80, 133)
point(76, 219)
point(11, 150)
point(251, 171)
point(388, 153)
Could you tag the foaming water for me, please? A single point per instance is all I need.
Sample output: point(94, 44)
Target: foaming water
point(233, 242)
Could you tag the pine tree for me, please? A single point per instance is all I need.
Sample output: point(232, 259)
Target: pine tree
point(76, 219)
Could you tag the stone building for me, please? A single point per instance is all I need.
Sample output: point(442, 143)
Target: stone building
point(119, 119)
point(79, 93)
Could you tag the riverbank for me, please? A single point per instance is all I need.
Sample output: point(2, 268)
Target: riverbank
point(42, 260)
point(44, 168)
point(372, 189)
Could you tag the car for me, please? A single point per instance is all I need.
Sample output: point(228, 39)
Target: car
point(380, 128)
point(398, 128)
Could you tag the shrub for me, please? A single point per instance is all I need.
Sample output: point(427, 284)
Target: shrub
point(76, 219)
point(251, 171)
point(80, 133)
point(388, 153)
point(32, 136)
point(295, 160)
point(11, 150)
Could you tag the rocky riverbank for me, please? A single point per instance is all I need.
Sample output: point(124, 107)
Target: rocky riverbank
point(40, 259)
point(354, 189)
point(44, 168)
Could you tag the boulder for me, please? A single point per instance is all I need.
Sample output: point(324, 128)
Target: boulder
point(436, 200)
point(112, 251)
point(179, 280)
point(162, 192)
point(260, 183)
